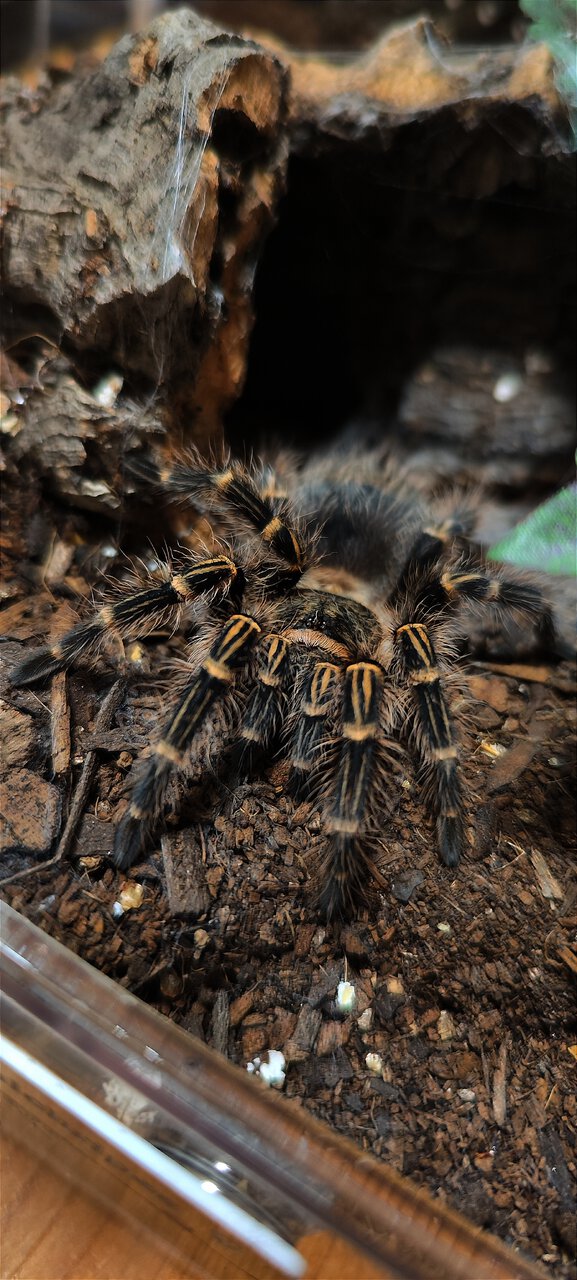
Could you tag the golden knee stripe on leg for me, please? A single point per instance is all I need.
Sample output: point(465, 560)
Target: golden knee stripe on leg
point(261, 716)
point(275, 655)
point(322, 684)
point(416, 646)
point(319, 700)
point(236, 634)
point(348, 816)
point(389, 581)
point(436, 735)
point(136, 616)
point(363, 687)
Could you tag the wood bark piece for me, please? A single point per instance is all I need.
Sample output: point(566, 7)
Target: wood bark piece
point(410, 71)
point(186, 886)
point(136, 199)
point(29, 812)
point(451, 407)
point(17, 737)
point(78, 444)
point(60, 724)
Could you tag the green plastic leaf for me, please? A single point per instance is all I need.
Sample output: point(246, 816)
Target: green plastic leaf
point(547, 539)
point(555, 23)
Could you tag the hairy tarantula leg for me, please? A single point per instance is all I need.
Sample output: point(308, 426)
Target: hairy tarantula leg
point(233, 488)
point(429, 544)
point(437, 737)
point(311, 728)
point(493, 588)
point(138, 615)
point(212, 682)
point(347, 819)
point(261, 718)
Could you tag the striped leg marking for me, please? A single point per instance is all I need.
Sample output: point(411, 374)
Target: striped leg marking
point(212, 683)
point(136, 616)
point(419, 662)
point(233, 488)
point(320, 692)
point(261, 718)
point(348, 817)
point(494, 589)
point(449, 588)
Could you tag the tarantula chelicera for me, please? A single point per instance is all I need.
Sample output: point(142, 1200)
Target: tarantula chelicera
point(324, 629)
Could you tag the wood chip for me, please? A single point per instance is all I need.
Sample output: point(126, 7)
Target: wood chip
point(30, 810)
point(532, 675)
point(519, 671)
point(549, 886)
point(445, 1025)
point(332, 1036)
point(306, 1031)
point(94, 838)
point(569, 955)
point(57, 564)
point(241, 1007)
point(27, 619)
point(219, 1023)
point(494, 692)
point(123, 739)
point(60, 724)
point(511, 764)
point(187, 890)
point(104, 719)
point(499, 1098)
point(17, 736)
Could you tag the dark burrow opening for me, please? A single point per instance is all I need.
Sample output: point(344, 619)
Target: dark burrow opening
point(440, 245)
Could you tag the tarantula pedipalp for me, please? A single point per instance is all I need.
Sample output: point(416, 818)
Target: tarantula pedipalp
point(327, 639)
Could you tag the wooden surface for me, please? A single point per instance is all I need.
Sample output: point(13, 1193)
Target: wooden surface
point(52, 1230)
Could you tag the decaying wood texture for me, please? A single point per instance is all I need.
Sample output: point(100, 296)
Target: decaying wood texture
point(410, 71)
point(138, 195)
point(136, 201)
point(70, 436)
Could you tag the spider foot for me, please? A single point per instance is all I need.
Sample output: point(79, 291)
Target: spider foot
point(450, 836)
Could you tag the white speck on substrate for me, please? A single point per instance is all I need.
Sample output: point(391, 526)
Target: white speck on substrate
point(117, 910)
point(365, 1022)
point(131, 895)
point(272, 1072)
point(374, 1063)
point(106, 391)
point(507, 387)
point(346, 997)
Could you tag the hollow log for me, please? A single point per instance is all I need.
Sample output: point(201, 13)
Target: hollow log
point(136, 200)
point(424, 187)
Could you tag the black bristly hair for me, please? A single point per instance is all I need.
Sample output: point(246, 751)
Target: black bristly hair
point(328, 618)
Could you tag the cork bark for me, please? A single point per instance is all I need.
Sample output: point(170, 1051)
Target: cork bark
point(139, 192)
point(137, 197)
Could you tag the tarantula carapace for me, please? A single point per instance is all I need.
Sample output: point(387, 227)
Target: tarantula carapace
point(324, 630)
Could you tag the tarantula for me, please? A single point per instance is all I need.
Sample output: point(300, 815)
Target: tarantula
point(327, 631)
